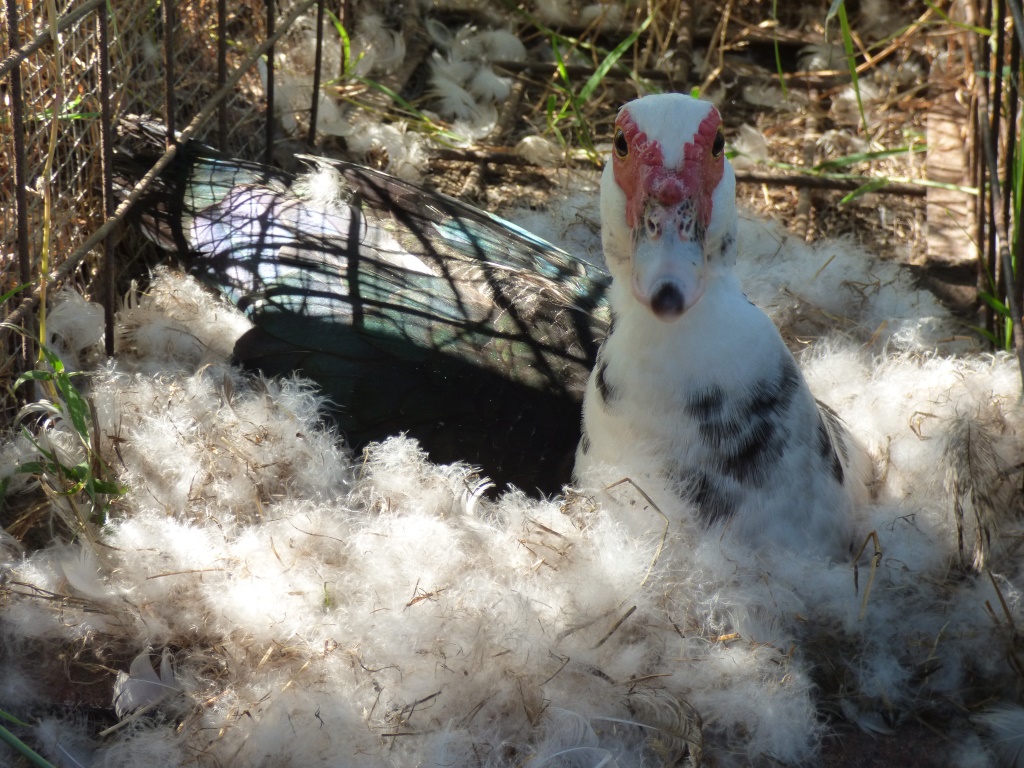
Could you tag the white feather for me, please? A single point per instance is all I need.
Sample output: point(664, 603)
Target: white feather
point(65, 742)
point(452, 70)
point(1004, 726)
point(452, 100)
point(771, 97)
point(605, 15)
point(142, 687)
point(821, 56)
point(553, 12)
point(751, 145)
point(846, 105)
point(488, 87)
point(73, 326)
point(440, 35)
point(83, 572)
point(501, 45)
point(479, 124)
point(382, 49)
point(539, 150)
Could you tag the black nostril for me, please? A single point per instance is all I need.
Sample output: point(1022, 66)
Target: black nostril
point(667, 302)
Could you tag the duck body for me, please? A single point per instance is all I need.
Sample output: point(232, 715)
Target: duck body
point(741, 438)
point(414, 312)
point(693, 384)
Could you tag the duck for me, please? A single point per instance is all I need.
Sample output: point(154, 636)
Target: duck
point(414, 312)
point(693, 384)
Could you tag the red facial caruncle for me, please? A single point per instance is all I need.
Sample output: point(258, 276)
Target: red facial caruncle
point(640, 171)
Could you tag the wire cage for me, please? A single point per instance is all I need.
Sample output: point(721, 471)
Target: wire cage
point(68, 71)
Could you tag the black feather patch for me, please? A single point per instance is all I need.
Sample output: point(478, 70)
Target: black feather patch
point(771, 397)
point(714, 503)
point(826, 444)
point(607, 391)
point(727, 243)
point(749, 439)
point(706, 404)
point(750, 458)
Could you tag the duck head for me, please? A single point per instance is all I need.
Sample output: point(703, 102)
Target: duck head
point(668, 203)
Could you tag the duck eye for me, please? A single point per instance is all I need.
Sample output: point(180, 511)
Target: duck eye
point(619, 143)
point(719, 144)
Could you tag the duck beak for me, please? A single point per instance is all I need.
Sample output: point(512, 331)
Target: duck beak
point(669, 270)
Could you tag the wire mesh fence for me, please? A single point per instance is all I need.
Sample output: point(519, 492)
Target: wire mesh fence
point(192, 64)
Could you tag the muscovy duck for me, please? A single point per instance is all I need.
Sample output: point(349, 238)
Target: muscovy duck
point(413, 311)
point(693, 382)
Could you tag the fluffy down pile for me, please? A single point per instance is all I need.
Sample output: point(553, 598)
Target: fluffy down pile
point(461, 86)
point(268, 599)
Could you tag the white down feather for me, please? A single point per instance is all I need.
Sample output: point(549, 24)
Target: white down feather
point(320, 610)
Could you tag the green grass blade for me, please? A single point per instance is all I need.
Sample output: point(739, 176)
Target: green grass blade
point(23, 749)
point(395, 96)
point(872, 186)
point(12, 719)
point(851, 59)
point(1017, 213)
point(346, 42)
point(14, 291)
point(778, 55)
point(95, 486)
point(33, 376)
point(611, 59)
point(32, 468)
point(563, 73)
point(999, 307)
point(866, 157)
point(552, 119)
point(958, 24)
point(989, 336)
point(78, 409)
point(559, 63)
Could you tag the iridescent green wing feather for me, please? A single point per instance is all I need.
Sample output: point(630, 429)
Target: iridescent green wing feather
point(413, 311)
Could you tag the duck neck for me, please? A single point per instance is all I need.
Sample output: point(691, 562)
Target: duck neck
point(710, 344)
